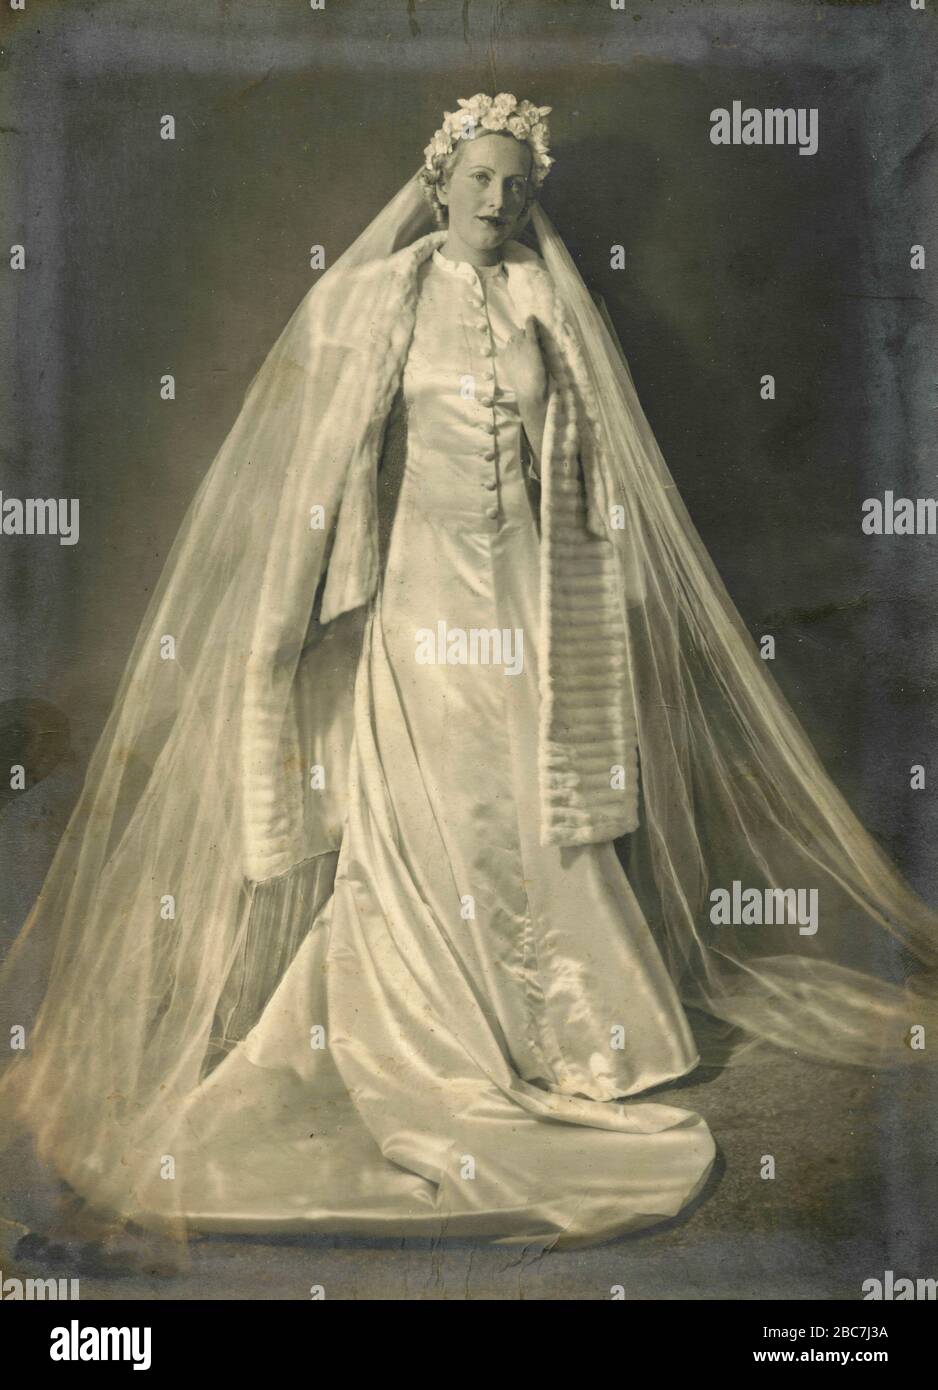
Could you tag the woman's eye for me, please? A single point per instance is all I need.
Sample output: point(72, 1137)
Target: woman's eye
point(480, 178)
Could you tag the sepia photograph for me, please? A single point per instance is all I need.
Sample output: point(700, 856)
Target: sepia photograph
point(469, 680)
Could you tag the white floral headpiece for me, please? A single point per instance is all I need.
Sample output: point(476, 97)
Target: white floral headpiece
point(483, 114)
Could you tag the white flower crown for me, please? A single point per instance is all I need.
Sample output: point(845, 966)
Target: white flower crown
point(482, 113)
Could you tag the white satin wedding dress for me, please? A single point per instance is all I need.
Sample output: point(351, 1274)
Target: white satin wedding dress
point(451, 1048)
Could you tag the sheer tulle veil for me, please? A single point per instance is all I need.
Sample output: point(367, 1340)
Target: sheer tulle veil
point(158, 936)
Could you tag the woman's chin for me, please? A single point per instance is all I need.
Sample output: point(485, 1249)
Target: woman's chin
point(489, 238)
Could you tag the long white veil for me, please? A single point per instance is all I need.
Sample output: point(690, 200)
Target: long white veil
point(160, 932)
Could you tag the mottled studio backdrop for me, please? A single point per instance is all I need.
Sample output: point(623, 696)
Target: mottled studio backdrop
point(294, 127)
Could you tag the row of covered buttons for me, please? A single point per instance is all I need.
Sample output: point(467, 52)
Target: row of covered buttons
point(487, 401)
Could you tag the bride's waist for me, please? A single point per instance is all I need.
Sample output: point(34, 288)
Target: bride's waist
point(465, 445)
point(485, 480)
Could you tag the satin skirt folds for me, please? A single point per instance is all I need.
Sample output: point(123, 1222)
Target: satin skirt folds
point(451, 1048)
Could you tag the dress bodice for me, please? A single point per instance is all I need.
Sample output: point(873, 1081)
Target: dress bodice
point(464, 440)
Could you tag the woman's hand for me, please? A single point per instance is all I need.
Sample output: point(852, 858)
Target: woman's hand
point(522, 360)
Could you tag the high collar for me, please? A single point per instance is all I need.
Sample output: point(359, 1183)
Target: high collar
point(518, 260)
point(472, 274)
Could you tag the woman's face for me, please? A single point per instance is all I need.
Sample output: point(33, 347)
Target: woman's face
point(486, 193)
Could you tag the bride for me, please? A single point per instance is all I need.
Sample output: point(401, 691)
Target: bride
point(338, 938)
